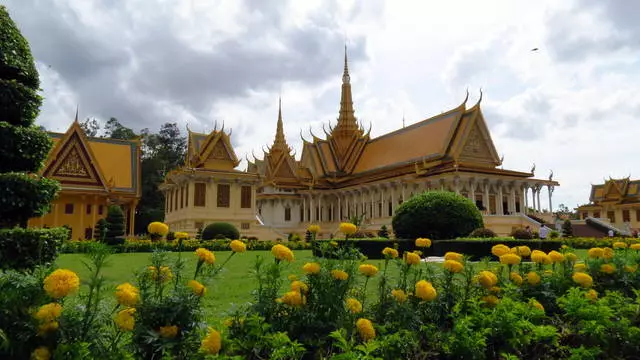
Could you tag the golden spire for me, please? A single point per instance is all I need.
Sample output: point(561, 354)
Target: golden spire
point(346, 119)
point(76, 120)
point(280, 142)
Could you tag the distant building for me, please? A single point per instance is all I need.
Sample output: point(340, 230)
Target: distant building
point(617, 201)
point(347, 173)
point(94, 173)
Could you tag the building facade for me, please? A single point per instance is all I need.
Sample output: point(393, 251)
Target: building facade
point(94, 173)
point(616, 201)
point(348, 173)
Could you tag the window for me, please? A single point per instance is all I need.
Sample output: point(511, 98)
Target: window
point(637, 214)
point(68, 208)
point(302, 214)
point(390, 210)
point(317, 213)
point(380, 209)
point(612, 216)
point(88, 209)
point(626, 216)
point(245, 197)
point(287, 214)
point(330, 215)
point(88, 233)
point(200, 194)
point(596, 214)
point(224, 191)
point(100, 209)
point(244, 226)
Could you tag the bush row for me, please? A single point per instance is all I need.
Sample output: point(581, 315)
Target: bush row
point(475, 248)
point(25, 248)
point(131, 246)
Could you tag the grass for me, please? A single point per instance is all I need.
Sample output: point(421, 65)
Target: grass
point(233, 286)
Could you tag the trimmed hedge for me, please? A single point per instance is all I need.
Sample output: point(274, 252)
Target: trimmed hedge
point(13, 137)
point(476, 249)
point(25, 196)
point(588, 243)
point(24, 249)
point(220, 230)
point(78, 247)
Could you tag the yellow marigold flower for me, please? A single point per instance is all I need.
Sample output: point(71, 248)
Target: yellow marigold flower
point(510, 259)
point(158, 228)
point(425, 291)
point(168, 331)
point(536, 304)
point(48, 312)
point(41, 353)
point(487, 278)
point(339, 275)
point(423, 242)
point(314, 228)
point(354, 305)
point(523, 250)
point(571, 257)
point(292, 277)
point(61, 283)
point(635, 246)
point(127, 294)
point(495, 289)
point(500, 249)
point(619, 245)
point(595, 253)
point(333, 243)
point(205, 255)
point(411, 258)
point(608, 268)
point(583, 279)
point(238, 246)
point(348, 228)
point(516, 278)
point(539, 257)
point(390, 252)
point(293, 298)
point(165, 273)
point(591, 295)
point(299, 286)
point(533, 278)
point(368, 270)
point(181, 235)
point(490, 300)
point(212, 343)
point(453, 256)
point(607, 253)
point(125, 319)
point(311, 268)
point(453, 266)
point(556, 257)
point(630, 268)
point(365, 329)
point(580, 267)
point(399, 295)
point(282, 252)
point(197, 287)
point(47, 327)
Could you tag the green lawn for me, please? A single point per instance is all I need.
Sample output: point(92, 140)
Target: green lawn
point(232, 287)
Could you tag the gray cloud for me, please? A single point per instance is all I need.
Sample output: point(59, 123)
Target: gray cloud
point(143, 72)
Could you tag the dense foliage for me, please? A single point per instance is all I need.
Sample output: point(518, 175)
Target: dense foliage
point(220, 230)
point(436, 215)
point(482, 233)
point(115, 225)
point(25, 248)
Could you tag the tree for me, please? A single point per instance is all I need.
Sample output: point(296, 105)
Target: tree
point(90, 126)
point(24, 146)
point(114, 130)
point(436, 215)
point(563, 212)
point(100, 230)
point(567, 228)
point(115, 225)
point(384, 232)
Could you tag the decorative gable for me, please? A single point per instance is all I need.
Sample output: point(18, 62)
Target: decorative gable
point(473, 143)
point(215, 153)
point(475, 147)
point(73, 163)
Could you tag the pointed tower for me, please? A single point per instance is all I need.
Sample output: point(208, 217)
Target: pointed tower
point(347, 121)
point(280, 143)
point(280, 165)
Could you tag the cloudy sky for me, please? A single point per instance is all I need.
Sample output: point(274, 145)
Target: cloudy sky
point(572, 106)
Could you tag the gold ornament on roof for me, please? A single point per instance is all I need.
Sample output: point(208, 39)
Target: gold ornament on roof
point(72, 165)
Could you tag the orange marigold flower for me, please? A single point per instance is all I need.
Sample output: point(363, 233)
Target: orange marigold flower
point(61, 283)
point(390, 252)
point(365, 329)
point(583, 279)
point(311, 268)
point(423, 242)
point(368, 270)
point(453, 266)
point(425, 291)
point(339, 275)
point(205, 255)
point(411, 258)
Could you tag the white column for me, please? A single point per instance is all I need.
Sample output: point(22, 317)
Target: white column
point(550, 189)
point(320, 208)
point(533, 199)
point(538, 199)
point(485, 198)
point(339, 214)
point(499, 201)
point(525, 192)
point(382, 202)
point(472, 190)
point(393, 201)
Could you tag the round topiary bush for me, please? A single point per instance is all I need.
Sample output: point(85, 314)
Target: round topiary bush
point(436, 215)
point(483, 233)
point(521, 234)
point(220, 230)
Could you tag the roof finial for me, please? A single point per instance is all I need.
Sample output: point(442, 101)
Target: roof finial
point(403, 119)
point(279, 141)
point(76, 120)
point(345, 75)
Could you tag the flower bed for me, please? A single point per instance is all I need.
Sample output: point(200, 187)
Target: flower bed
point(141, 245)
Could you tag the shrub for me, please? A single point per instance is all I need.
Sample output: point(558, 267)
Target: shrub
point(521, 234)
point(115, 225)
point(554, 234)
point(436, 215)
point(24, 147)
point(482, 233)
point(100, 230)
point(24, 249)
point(171, 236)
point(383, 232)
point(567, 228)
point(220, 230)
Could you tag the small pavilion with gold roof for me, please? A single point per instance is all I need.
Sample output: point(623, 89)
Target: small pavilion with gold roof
point(94, 173)
point(616, 201)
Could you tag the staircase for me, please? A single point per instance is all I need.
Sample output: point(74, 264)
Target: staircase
point(605, 227)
